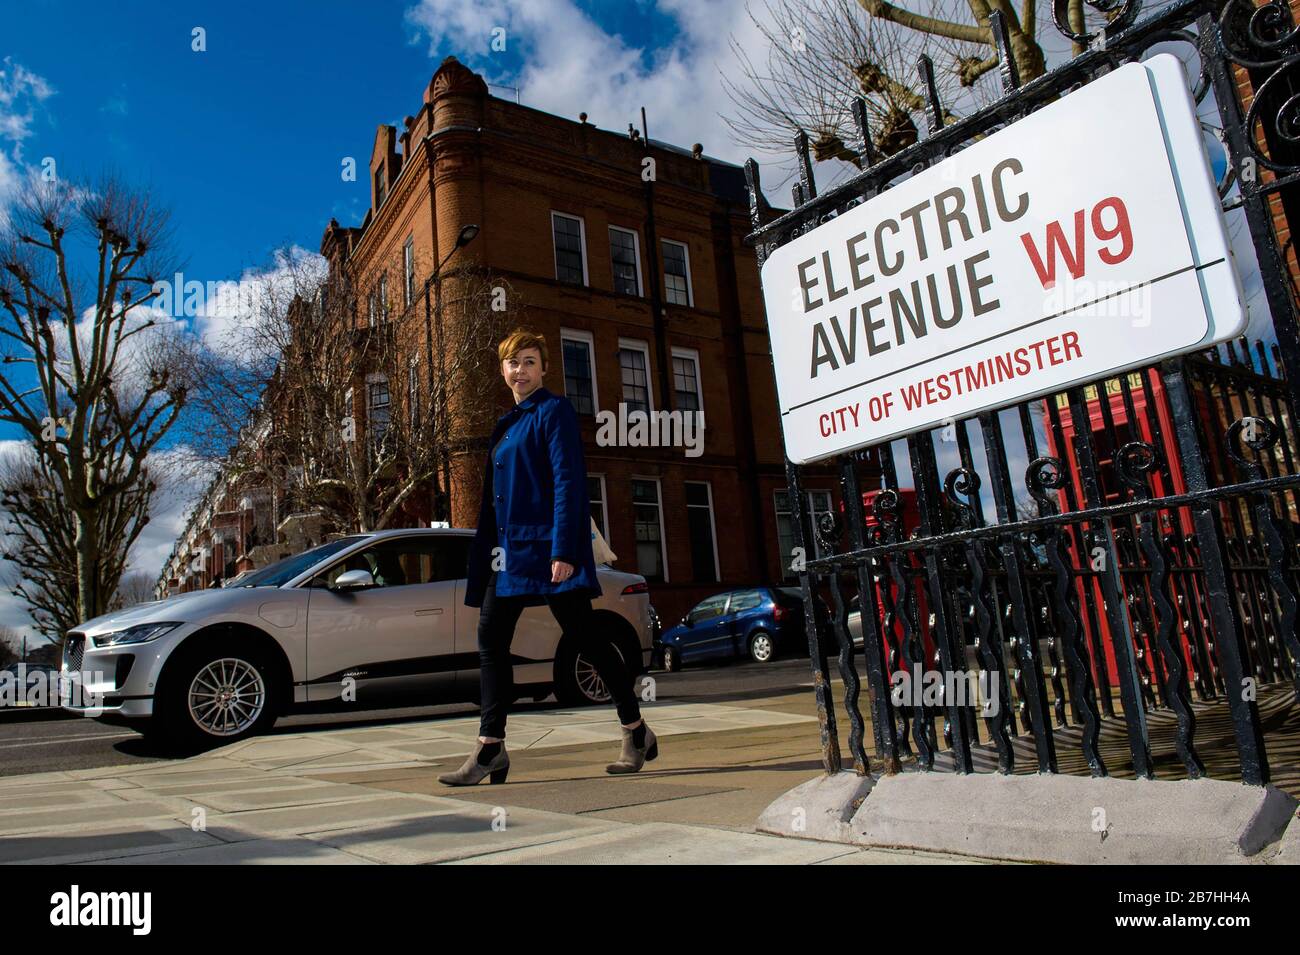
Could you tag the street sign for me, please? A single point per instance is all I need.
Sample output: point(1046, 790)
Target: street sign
point(1082, 240)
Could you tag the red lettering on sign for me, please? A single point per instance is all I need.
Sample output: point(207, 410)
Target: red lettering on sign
point(1074, 256)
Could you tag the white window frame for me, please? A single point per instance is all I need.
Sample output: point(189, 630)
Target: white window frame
point(383, 297)
point(408, 266)
point(604, 502)
point(690, 286)
point(679, 351)
point(582, 241)
point(636, 254)
point(579, 335)
point(636, 344)
point(663, 536)
point(713, 526)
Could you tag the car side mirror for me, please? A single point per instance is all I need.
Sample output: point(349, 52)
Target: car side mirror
point(353, 580)
point(686, 621)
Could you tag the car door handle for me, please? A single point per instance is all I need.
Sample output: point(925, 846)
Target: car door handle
point(430, 610)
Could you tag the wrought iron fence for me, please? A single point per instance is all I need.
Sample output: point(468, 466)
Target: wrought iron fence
point(1149, 562)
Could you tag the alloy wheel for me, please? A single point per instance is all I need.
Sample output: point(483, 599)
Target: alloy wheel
point(226, 697)
point(588, 680)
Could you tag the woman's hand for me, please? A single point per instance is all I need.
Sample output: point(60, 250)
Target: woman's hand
point(560, 571)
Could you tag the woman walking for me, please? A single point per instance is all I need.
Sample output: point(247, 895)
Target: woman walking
point(533, 546)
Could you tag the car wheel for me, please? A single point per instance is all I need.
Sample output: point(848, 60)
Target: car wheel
point(672, 660)
point(761, 648)
point(576, 681)
point(216, 697)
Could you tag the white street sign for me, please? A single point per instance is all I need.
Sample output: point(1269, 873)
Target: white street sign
point(1078, 242)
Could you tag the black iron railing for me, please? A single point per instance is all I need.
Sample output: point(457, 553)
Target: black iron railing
point(1149, 561)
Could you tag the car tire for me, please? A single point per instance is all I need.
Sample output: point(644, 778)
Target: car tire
point(761, 647)
point(672, 660)
point(576, 680)
point(187, 717)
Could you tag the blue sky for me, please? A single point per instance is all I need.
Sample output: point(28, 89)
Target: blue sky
point(245, 141)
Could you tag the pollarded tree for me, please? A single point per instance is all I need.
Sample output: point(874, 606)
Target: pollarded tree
point(40, 540)
point(86, 366)
point(819, 55)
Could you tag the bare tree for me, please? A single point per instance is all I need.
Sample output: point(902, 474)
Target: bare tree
point(350, 423)
point(135, 588)
point(86, 378)
point(10, 641)
point(819, 55)
point(40, 540)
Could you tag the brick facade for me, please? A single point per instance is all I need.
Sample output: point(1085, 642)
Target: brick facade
point(469, 158)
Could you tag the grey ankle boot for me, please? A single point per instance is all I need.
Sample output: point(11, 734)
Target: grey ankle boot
point(471, 772)
point(632, 759)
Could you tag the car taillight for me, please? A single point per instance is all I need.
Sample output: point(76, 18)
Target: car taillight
point(778, 614)
point(637, 588)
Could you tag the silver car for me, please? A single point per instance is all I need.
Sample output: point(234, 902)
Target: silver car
point(367, 620)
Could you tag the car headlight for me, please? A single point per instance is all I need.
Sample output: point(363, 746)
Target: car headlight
point(140, 634)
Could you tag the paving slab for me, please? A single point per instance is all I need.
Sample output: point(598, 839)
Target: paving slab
point(456, 834)
point(306, 794)
point(666, 844)
point(100, 843)
point(286, 850)
point(57, 800)
point(584, 796)
point(13, 823)
point(319, 818)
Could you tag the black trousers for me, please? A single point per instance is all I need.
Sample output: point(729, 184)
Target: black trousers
point(496, 630)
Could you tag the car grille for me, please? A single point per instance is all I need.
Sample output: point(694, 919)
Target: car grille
point(74, 647)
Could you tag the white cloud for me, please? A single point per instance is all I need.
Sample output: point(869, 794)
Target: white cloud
point(224, 318)
point(21, 94)
point(171, 506)
point(572, 65)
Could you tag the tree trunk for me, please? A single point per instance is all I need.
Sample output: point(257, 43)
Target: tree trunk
point(87, 567)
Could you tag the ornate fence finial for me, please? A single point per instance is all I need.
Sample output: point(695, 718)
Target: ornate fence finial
point(933, 108)
point(869, 155)
point(1006, 58)
point(806, 179)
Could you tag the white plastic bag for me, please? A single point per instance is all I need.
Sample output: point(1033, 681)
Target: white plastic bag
point(599, 549)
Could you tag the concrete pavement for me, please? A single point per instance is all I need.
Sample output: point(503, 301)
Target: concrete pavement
point(370, 795)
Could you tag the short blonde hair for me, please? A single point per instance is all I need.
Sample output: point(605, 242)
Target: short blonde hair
point(520, 339)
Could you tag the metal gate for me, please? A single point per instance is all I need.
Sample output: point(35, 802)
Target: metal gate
point(1145, 561)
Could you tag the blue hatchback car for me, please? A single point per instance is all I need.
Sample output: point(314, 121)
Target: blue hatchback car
point(758, 622)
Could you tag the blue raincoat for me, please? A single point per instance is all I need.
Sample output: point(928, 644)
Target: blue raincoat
point(535, 505)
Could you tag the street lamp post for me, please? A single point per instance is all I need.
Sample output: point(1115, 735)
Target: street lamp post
point(467, 235)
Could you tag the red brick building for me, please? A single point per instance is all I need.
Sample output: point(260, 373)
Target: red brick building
point(629, 257)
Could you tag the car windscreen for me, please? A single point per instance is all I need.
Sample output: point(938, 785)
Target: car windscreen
point(283, 571)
